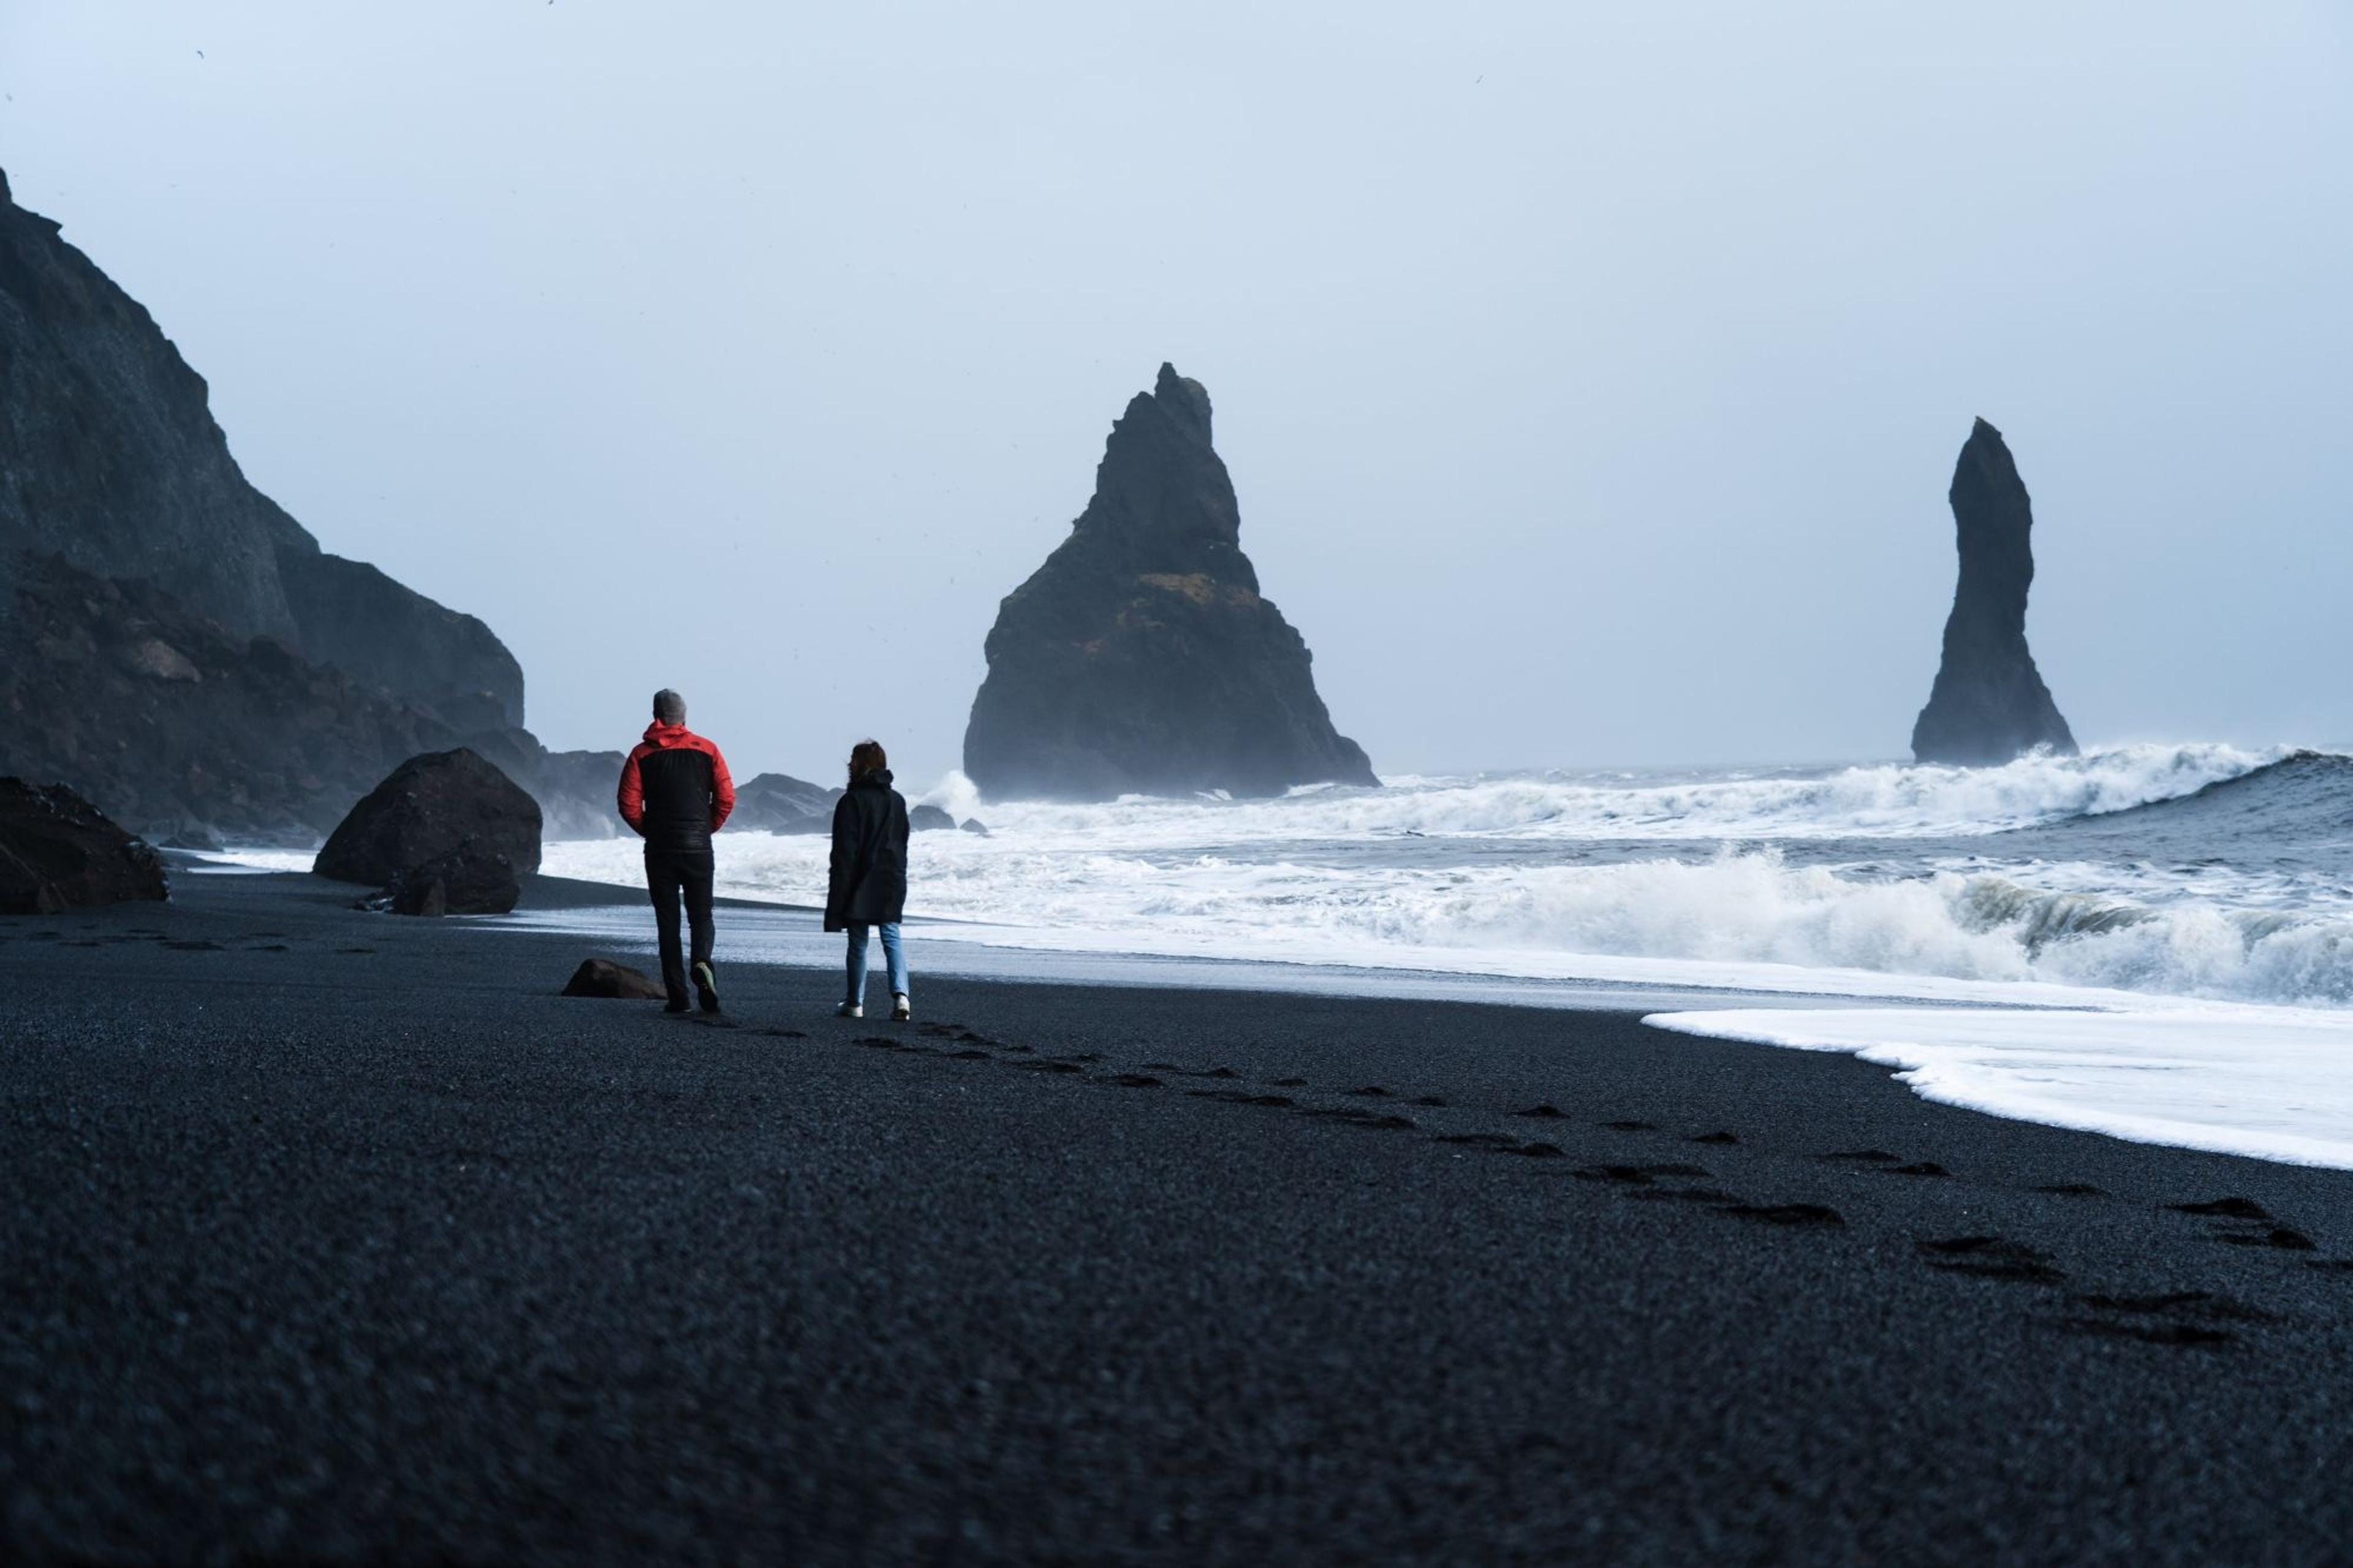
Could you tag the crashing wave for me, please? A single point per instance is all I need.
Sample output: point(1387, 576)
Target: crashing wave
point(1889, 799)
point(1743, 918)
point(2302, 796)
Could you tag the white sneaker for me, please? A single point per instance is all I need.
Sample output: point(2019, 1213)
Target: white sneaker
point(849, 1010)
point(901, 1009)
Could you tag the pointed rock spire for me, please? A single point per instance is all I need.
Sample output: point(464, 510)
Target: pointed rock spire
point(1989, 704)
point(1140, 658)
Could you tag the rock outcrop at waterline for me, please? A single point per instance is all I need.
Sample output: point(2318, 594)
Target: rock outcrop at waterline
point(1140, 658)
point(1989, 704)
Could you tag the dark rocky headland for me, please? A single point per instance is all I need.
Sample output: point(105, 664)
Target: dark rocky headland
point(172, 643)
point(1989, 705)
point(1141, 658)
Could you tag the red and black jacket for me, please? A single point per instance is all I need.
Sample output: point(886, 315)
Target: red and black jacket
point(675, 790)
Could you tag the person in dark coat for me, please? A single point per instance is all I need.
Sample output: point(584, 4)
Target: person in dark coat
point(867, 886)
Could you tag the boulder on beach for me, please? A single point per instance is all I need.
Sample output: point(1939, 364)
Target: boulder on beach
point(442, 806)
point(59, 852)
point(975, 824)
point(474, 878)
point(615, 982)
point(1988, 705)
point(928, 819)
point(1141, 658)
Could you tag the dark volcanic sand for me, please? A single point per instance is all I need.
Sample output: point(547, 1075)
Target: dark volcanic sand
point(393, 1255)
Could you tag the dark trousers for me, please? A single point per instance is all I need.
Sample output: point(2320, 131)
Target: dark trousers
point(669, 875)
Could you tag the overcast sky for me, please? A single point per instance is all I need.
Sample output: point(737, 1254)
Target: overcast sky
point(1590, 375)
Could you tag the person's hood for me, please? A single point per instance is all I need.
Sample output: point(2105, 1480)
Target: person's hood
point(880, 778)
point(659, 734)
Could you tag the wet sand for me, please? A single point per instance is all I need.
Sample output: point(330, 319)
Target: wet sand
point(332, 1236)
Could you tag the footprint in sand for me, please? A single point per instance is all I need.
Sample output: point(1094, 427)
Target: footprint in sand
point(1636, 1176)
point(2278, 1235)
point(1992, 1257)
point(1546, 1111)
point(2225, 1208)
point(2191, 1304)
point(1243, 1096)
point(2190, 1336)
point(1685, 1196)
point(1786, 1213)
point(1355, 1117)
point(1479, 1140)
point(1718, 1137)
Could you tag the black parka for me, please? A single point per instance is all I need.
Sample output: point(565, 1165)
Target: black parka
point(868, 884)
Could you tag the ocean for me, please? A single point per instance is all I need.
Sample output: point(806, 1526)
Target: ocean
point(2152, 940)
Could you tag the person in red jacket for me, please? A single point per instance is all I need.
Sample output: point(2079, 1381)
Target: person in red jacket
point(675, 794)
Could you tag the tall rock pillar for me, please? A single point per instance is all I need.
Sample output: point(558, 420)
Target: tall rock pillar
point(1989, 705)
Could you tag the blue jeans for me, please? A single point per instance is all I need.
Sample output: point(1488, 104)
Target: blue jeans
point(893, 956)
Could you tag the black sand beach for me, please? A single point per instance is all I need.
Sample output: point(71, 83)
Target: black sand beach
point(337, 1236)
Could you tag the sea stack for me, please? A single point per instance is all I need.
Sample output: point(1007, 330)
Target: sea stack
point(1140, 658)
point(1989, 705)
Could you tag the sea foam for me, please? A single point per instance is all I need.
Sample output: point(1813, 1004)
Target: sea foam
point(1889, 799)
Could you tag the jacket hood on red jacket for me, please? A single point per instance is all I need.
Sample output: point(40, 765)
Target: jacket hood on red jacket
point(660, 734)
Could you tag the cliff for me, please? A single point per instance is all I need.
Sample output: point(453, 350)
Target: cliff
point(286, 674)
point(172, 725)
point(1989, 704)
point(1141, 658)
point(114, 461)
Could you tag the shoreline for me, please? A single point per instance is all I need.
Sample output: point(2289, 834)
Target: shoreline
point(2262, 1080)
point(410, 1259)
